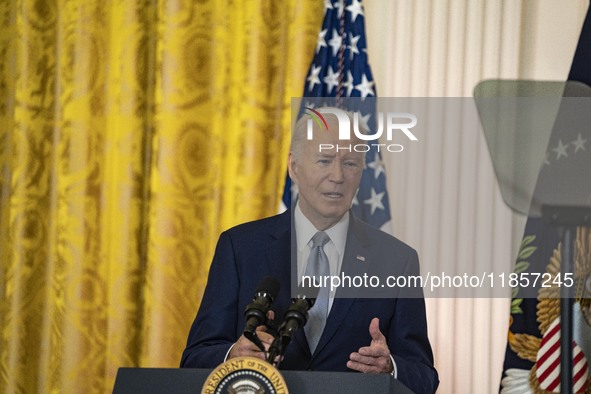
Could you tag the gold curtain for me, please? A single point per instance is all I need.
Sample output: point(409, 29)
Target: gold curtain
point(131, 134)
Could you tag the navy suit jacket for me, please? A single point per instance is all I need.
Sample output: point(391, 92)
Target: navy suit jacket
point(248, 252)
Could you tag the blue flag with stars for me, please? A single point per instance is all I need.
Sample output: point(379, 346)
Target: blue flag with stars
point(529, 365)
point(339, 70)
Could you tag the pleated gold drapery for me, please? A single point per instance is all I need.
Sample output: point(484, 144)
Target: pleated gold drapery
point(131, 133)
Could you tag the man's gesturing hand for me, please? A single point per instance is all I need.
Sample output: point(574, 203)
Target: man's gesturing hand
point(374, 358)
point(244, 347)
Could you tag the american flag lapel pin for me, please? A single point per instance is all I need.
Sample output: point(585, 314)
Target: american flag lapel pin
point(360, 258)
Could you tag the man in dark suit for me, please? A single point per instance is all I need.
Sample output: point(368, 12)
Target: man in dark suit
point(373, 334)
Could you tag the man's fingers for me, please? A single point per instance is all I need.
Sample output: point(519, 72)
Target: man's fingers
point(266, 338)
point(374, 358)
point(374, 351)
point(245, 347)
point(357, 366)
point(374, 331)
point(369, 364)
point(367, 360)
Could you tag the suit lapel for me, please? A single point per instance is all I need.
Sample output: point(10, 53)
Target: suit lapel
point(277, 254)
point(280, 258)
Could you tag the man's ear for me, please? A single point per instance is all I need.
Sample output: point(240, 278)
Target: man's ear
point(292, 167)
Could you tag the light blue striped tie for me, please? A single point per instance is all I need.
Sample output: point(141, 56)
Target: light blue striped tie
point(317, 266)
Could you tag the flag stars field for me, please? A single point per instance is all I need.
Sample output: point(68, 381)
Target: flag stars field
point(375, 201)
point(353, 50)
point(562, 150)
point(321, 43)
point(340, 68)
point(365, 87)
point(349, 83)
point(355, 9)
point(579, 143)
point(331, 80)
point(313, 78)
point(377, 166)
point(335, 42)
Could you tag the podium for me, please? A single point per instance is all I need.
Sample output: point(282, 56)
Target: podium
point(188, 380)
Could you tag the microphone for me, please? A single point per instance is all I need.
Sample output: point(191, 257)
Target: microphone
point(295, 318)
point(256, 312)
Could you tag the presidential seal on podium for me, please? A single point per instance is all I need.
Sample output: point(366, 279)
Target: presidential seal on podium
point(245, 375)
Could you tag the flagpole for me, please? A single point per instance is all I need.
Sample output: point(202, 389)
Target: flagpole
point(566, 313)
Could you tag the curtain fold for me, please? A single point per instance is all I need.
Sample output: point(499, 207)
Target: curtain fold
point(131, 134)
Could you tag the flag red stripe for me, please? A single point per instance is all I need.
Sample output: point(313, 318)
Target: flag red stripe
point(578, 357)
point(549, 370)
point(553, 331)
point(549, 353)
point(580, 374)
point(554, 384)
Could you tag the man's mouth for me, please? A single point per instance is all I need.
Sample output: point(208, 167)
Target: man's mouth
point(333, 195)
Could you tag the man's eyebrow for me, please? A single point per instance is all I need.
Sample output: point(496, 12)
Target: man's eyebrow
point(351, 155)
point(326, 155)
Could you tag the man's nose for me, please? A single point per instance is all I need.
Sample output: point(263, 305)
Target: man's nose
point(337, 174)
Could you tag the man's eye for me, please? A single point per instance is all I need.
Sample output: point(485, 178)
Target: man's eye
point(323, 161)
point(352, 164)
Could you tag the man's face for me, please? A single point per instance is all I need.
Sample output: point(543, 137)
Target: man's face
point(327, 180)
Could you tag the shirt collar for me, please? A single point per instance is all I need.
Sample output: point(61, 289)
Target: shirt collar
point(305, 230)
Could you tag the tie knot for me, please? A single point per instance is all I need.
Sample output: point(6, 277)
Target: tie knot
point(320, 239)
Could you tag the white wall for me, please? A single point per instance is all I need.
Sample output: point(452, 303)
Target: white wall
point(442, 48)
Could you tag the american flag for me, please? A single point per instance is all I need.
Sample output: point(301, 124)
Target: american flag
point(339, 70)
